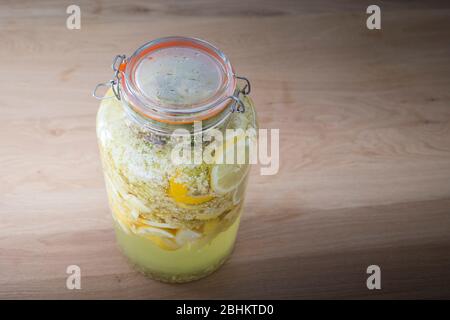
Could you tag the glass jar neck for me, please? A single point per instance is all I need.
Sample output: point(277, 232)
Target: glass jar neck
point(166, 129)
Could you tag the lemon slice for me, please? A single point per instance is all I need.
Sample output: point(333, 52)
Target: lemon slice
point(157, 224)
point(227, 177)
point(122, 224)
point(137, 204)
point(120, 219)
point(163, 243)
point(163, 238)
point(185, 236)
point(179, 192)
point(155, 232)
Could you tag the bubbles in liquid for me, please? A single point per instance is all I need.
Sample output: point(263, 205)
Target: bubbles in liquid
point(179, 76)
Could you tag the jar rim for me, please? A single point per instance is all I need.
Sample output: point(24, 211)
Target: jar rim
point(170, 113)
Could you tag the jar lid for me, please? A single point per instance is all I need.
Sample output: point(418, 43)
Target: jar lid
point(177, 80)
point(177, 75)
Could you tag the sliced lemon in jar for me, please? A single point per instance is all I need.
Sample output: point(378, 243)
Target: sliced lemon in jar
point(180, 193)
point(226, 177)
point(163, 238)
point(163, 243)
point(185, 236)
point(157, 224)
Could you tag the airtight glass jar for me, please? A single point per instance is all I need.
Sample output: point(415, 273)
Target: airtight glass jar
point(176, 221)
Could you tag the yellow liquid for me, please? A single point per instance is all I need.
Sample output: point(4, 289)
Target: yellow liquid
point(190, 262)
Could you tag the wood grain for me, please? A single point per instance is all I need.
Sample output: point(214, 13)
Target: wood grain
point(365, 147)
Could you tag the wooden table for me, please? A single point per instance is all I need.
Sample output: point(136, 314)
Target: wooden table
point(365, 147)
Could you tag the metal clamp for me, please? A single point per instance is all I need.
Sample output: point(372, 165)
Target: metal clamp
point(114, 82)
point(239, 106)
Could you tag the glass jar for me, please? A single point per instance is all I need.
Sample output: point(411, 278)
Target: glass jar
point(176, 221)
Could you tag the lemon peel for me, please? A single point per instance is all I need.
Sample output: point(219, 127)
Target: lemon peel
point(180, 193)
point(227, 177)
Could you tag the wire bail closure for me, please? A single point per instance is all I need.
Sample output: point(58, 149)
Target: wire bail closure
point(237, 106)
point(114, 82)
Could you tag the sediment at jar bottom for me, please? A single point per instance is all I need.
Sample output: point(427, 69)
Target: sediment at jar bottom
point(190, 262)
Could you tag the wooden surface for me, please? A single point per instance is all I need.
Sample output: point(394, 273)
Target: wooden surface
point(365, 147)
